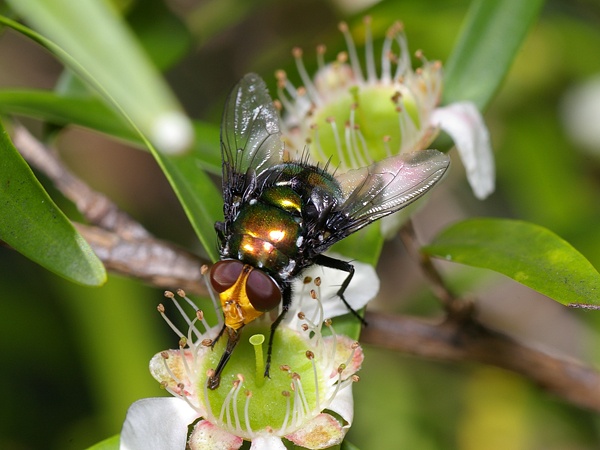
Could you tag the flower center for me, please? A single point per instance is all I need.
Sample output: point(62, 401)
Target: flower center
point(364, 124)
point(248, 402)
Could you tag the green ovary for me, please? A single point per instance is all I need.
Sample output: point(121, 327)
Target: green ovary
point(267, 406)
point(376, 117)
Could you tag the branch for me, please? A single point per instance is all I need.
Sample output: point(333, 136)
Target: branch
point(471, 341)
point(122, 244)
point(156, 262)
point(96, 208)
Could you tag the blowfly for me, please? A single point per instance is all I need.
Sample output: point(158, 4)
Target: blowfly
point(282, 214)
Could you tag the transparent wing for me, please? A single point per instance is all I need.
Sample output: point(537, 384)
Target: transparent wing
point(250, 136)
point(385, 187)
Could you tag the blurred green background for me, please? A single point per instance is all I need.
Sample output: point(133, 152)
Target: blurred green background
point(75, 358)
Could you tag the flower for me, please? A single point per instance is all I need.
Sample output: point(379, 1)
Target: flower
point(352, 120)
point(307, 399)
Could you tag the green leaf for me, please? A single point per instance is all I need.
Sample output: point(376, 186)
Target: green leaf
point(164, 37)
point(489, 41)
point(197, 193)
point(90, 112)
point(348, 445)
point(527, 253)
point(111, 443)
point(106, 55)
point(33, 225)
point(86, 111)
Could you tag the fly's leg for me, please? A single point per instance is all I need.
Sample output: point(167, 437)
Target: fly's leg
point(215, 340)
point(285, 306)
point(338, 264)
point(233, 337)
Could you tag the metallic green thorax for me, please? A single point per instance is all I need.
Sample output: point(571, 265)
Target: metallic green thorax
point(269, 230)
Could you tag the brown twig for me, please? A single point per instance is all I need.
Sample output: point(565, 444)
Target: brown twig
point(121, 243)
point(456, 308)
point(127, 248)
point(409, 239)
point(471, 341)
point(151, 260)
point(98, 209)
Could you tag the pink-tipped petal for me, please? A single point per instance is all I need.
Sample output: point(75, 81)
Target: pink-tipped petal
point(157, 424)
point(174, 360)
point(465, 125)
point(323, 431)
point(207, 436)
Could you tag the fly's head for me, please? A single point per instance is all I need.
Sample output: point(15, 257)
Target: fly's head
point(245, 292)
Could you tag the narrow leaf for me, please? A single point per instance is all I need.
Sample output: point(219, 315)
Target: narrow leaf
point(527, 253)
point(33, 225)
point(105, 54)
point(90, 112)
point(86, 111)
point(197, 193)
point(491, 36)
point(164, 37)
point(200, 198)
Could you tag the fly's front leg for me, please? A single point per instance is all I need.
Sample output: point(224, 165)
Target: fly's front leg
point(286, 295)
point(338, 264)
point(214, 342)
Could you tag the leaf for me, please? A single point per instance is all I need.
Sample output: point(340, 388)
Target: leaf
point(111, 443)
point(90, 112)
point(106, 55)
point(197, 193)
point(200, 198)
point(489, 41)
point(34, 226)
point(348, 445)
point(525, 252)
point(164, 37)
point(86, 111)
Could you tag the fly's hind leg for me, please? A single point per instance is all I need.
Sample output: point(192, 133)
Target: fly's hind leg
point(338, 264)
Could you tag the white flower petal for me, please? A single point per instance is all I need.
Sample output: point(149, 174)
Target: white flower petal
point(322, 432)
point(363, 288)
point(207, 436)
point(343, 404)
point(345, 353)
point(464, 123)
point(157, 424)
point(267, 443)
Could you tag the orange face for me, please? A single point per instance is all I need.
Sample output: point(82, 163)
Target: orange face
point(245, 292)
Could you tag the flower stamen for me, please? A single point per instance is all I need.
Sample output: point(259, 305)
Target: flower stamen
point(238, 386)
point(213, 297)
point(354, 61)
point(246, 411)
point(305, 77)
point(286, 418)
point(369, 53)
point(161, 309)
point(311, 357)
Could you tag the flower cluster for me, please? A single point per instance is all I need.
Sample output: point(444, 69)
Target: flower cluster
point(307, 399)
point(353, 117)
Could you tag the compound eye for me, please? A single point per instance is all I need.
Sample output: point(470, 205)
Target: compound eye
point(224, 274)
point(264, 294)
